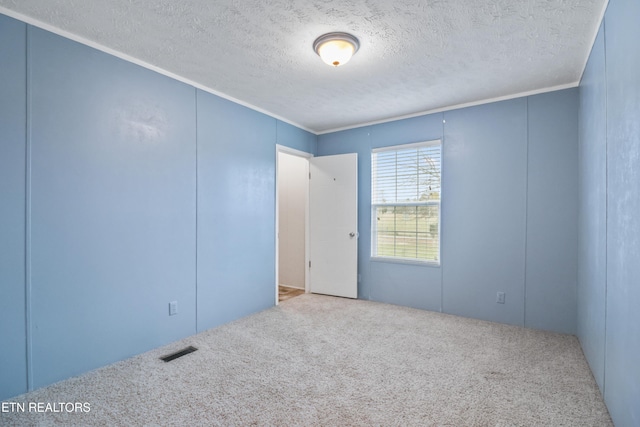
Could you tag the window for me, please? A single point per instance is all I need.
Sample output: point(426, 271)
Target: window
point(405, 202)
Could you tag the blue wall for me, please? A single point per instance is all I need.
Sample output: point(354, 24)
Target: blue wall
point(141, 190)
point(509, 208)
point(484, 211)
point(13, 333)
point(112, 208)
point(552, 210)
point(609, 288)
point(236, 205)
point(592, 219)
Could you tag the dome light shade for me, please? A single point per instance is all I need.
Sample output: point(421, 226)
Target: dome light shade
point(336, 49)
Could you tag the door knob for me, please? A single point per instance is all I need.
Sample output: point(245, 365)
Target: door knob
point(352, 234)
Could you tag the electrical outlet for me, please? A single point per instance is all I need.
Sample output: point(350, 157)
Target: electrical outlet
point(500, 298)
point(173, 308)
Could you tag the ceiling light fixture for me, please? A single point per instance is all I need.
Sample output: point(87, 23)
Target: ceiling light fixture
point(336, 48)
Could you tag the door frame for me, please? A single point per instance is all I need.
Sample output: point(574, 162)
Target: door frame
point(306, 156)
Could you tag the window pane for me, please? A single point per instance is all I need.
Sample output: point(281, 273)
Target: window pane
point(385, 218)
point(429, 237)
point(406, 245)
point(386, 244)
point(429, 174)
point(406, 218)
point(401, 179)
point(408, 232)
point(384, 177)
point(385, 224)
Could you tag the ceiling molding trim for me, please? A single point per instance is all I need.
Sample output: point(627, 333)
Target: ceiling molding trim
point(55, 30)
point(455, 107)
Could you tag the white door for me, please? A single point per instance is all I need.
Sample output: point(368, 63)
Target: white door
point(333, 225)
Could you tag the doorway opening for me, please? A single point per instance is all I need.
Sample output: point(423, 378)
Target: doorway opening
point(292, 223)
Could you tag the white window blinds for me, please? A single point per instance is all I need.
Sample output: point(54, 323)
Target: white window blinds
point(406, 184)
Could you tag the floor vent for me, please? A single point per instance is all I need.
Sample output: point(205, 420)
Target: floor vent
point(173, 356)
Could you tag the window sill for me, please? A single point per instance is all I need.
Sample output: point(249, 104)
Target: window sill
point(406, 261)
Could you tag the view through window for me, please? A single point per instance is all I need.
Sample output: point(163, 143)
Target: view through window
point(405, 201)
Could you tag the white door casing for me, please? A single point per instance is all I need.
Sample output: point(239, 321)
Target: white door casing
point(333, 225)
point(305, 155)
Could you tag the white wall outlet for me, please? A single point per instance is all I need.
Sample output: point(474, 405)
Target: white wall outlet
point(173, 308)
point(500, 298)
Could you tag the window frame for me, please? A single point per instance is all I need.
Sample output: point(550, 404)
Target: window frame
point(374, 233)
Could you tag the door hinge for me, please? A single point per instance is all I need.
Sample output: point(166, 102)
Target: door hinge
point(309, 264)
point(309, 175)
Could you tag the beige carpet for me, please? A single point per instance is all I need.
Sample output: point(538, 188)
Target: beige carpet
point(317, 360)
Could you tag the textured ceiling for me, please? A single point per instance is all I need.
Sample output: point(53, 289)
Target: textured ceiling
point(415, 56)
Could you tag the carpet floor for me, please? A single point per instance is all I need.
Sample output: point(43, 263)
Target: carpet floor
point(318, 360)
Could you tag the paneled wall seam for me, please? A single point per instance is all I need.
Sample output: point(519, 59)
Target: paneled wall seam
point(577, 225)
point(195, 104)
point(370, 138)
point(27, 246)
point(442, 166)
point(370, 133)
point(606, 207)
point(526, 218)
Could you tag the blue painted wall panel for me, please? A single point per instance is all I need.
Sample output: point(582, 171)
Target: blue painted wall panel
point(417, 129)
point(113, 208)
point(622, 377)
point(409, 285)
point(13, 357)
point(236, 211)
point(297, 138)
point(592, 218)
point(484, 210)
point(552, 209)
point(609, 246)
